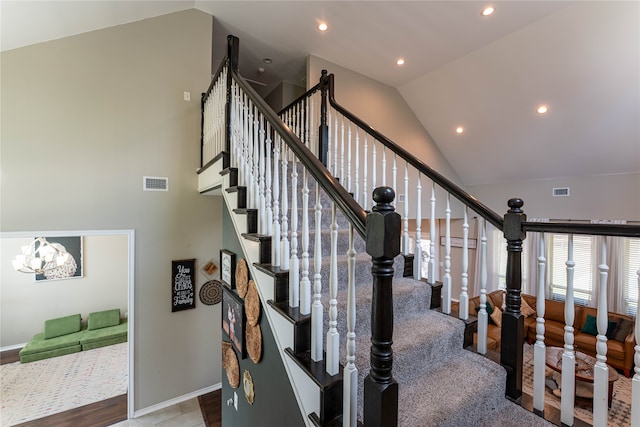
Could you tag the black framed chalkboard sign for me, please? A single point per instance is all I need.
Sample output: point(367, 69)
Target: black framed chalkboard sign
point(183, 284)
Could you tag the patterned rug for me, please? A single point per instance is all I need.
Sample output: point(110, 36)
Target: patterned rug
point(619, 413)
point(45, 387)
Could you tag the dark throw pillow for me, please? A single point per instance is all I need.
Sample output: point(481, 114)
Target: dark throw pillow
point(590, 326)
point(622, 330)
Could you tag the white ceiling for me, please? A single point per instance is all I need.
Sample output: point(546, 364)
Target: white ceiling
point(484, 73)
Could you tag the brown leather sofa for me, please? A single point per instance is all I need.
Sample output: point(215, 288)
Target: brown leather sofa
point(620, 343)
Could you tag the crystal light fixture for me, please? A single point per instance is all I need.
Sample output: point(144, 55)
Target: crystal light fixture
point(41, 256)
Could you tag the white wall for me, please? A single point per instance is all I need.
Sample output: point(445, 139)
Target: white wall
point(84, 118)
point(26, 304)
point(383, 108)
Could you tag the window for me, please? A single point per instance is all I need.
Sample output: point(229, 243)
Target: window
point(631, 267)
point(583, 270)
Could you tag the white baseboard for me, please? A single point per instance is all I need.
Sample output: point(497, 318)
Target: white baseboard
point(176, 400)
point(12, 347)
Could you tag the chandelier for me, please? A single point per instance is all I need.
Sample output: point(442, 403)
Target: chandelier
point(42, 257)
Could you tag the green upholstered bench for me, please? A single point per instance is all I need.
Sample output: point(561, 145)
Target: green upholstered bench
point(104, 328)
point(65, 335)
point(61, 336)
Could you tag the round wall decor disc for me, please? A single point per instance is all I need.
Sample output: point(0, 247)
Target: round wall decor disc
point(242, 278)
point(232, 367)
point(211, 292)
point(254, 342)
point(252, 304)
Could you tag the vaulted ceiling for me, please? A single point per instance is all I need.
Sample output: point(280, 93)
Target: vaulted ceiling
point(485, 74)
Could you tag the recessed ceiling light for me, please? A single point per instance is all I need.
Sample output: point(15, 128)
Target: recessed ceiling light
point(267, 60)
point(487, 11)
point(400, 61)
point(542, 109)
point(459, 129)
point(323, 26)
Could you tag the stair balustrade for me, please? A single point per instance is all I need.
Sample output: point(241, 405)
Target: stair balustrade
point(341, 159)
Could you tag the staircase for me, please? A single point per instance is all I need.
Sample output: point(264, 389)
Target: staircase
point(440, 383)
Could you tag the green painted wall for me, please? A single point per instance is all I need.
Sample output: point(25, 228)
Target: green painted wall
point(274, 404)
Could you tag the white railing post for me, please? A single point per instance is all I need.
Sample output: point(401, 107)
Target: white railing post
point(635, 383)
point(432, 236)
point(262, 208)
point(275, 237)
point(601, 370)
point(333, 337)
point(483, 318)
point(463, 311)
point(284, 233)
point(294, 263)
point(268, 206)
point(356, 185)
point(350, 374)
point(347, 181)
point(417, 252)
point(305, 283)
point(539, 349)
point(446, 283)
point(568, 356)
point(406, 246)
point(317, 315)
point(256, 162)
point(365, 190)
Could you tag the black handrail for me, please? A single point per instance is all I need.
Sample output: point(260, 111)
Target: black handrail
point(343, 200)
point(438, 178)
point(299, 99)
point(619, 230)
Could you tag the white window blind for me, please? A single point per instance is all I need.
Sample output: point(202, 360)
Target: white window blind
point(631, 267)
point(583, 269)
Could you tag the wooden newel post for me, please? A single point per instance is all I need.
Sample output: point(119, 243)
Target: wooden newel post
point(383, 244)
point(512, 338)
point(323, 131)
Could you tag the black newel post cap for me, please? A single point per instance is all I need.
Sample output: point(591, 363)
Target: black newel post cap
point(515, 205)
point(383, 226)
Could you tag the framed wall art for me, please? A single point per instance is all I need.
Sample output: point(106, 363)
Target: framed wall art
point(72, 268)
point(228, 268)
point(233, 319)
point(183, 284)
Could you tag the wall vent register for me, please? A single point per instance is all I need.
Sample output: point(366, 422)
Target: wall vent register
point(561, 192)
point(155, 183)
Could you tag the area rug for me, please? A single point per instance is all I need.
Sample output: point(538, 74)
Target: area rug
point(37, 389)
point(619, 413)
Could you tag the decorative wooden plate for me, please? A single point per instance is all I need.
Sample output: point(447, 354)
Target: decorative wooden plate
point(252, 304)
point(254, 342)
point(242, 278)
point(231, 365)
point(247, 384)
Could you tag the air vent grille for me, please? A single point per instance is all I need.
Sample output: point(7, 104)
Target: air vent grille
point(561, 192)
point(155, 183)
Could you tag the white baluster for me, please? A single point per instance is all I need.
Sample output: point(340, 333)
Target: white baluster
point(464, 296)
point(601, 370)
point(384, 166)
point(285, 211)
point(294, 264)
point(275, 237)
point(406, 246)
point(374, 170)
point(341, 142)
point(483, 317)
point(568, 355)
point(635, 383)
point(333, 337)
point(256, 162)
point(417, 252)
point(245, 146)
point(268, 206)
point(305, 284)
point(249, 166)
point(394, 172)
point(336, 142)
point(539, 349)
point(350, 374)
point(446, 283)
point(432, 231)
point(356, 188)
point(262, 202)
point(317, 315)
point(348, 179)
point(365, 190)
